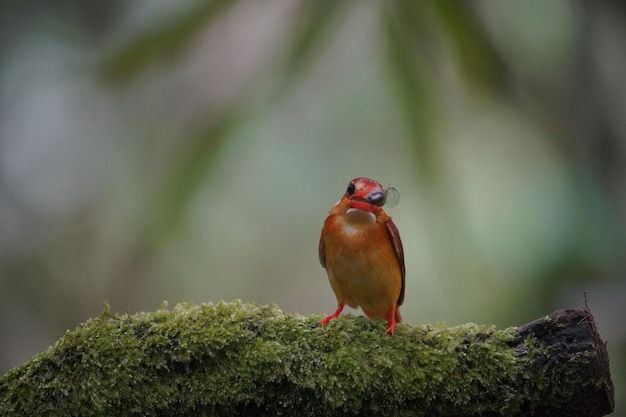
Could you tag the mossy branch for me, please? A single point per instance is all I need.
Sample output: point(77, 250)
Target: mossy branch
point(235, 359)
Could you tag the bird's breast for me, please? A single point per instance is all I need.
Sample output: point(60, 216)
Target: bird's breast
point(353, 235)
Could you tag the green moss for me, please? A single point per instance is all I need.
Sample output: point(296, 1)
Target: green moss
point(241, 359)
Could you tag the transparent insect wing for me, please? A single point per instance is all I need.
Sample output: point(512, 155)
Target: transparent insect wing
point(392, 197)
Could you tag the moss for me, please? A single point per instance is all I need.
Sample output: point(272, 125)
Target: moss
point(242, 359)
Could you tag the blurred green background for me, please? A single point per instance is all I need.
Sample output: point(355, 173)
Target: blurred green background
point(190, 151)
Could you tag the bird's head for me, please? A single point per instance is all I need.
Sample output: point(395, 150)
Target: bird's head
point(365, 194)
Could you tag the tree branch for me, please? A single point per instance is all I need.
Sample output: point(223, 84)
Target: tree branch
point(239, 359)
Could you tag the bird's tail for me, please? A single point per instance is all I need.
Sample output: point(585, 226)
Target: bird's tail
point(398, 315)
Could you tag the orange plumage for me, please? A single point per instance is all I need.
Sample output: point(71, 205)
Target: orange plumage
point(360, 248)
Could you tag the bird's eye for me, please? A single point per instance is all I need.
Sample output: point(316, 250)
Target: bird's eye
point(350, 189)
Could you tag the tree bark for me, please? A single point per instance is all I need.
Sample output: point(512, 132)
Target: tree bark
point(558, 341)
point(235, 359)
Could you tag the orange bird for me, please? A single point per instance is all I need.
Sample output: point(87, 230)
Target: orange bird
point(360, 248)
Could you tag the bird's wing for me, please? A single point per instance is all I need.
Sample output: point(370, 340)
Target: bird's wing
point(397, 247)
point(322, 252)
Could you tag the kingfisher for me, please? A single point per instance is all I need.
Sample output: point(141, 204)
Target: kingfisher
point(361, 250)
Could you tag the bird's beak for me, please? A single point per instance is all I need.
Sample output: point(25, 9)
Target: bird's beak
point(376, 198)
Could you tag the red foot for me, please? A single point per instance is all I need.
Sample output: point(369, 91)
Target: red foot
point(332, 316)
point(391, 325)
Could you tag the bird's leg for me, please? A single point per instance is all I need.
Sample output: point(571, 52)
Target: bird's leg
point(391, 324)
point(332, 316)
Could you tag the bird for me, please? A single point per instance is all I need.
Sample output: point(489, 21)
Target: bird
point(361, 250)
